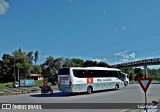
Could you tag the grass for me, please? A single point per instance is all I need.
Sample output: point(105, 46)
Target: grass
point(6, 85)
point(38, 83)
point(133, 82)
point(155, 80)
point(9, 86)
point(136, 82)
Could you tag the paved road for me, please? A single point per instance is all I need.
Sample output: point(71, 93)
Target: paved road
point(130, 94)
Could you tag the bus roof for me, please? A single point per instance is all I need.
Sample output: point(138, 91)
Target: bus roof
point(95, 68)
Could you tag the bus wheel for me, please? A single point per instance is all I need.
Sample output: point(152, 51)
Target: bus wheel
point(116, 87)
point(125, 83)
point(89, 89)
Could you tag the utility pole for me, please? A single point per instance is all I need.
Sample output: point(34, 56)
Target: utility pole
point(14, 65)
point(14, 69)
point(18, 73)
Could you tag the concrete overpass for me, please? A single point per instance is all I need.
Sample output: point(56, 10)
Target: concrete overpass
point(144, 63)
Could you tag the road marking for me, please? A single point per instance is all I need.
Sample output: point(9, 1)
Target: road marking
point(124, 110)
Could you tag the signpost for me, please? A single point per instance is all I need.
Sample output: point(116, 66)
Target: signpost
point(144, 83)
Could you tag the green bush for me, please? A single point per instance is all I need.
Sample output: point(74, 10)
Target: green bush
point(38, 83)
point(155, 80)
point(49, 84)
point(6, 85)
point(133, 82)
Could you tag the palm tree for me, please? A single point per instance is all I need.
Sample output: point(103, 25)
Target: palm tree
point(58, 63)
point(36, 54)
point(30, 56)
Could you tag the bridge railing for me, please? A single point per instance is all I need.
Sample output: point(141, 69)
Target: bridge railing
point(154, 61)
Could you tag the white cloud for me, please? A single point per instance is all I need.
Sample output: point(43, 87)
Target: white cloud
point(137, 59)
point(4, 5)
point(120, 61)
point(124, 60)
point(99, 59)
point(154, 67)
point(125, 55)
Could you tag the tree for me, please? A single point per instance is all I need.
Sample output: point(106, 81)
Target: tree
point(139, 73)
point(153, 73)
point(103, 64)
point(58, 63)
point(30, 56)
point(78, 62)
point(68, 63)
point(37, 69)
point(50, 61)
point(23, 65)
point(74, 62)
point(18, 66)
point(130, 72)
point(1, 76)
point(90, 63)
point(6, 68)
point(36, 54)
point(49, 66)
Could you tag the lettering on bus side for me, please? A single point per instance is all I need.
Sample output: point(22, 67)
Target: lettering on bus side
point(103, 80)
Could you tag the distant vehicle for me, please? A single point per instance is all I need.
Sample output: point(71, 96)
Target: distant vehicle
point(126, 78)
point(24, 83)
point(16, 84)
point(89, 79)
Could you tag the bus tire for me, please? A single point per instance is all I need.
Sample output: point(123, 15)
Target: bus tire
point(116, 87)
point(125, 83)
point(89, 89)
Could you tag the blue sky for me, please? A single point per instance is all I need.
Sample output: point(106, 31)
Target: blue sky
point(109, 30)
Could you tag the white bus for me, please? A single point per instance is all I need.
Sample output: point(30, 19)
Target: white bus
point(89, 79)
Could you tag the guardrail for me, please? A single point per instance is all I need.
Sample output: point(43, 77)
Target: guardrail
point(154, 61)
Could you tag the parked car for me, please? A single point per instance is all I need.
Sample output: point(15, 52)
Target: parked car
point(16, 84)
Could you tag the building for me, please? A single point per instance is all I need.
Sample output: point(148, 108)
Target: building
point(36, 77)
